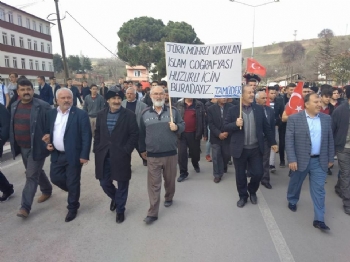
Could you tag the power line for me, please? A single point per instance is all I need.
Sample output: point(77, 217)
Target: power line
point(92, 35)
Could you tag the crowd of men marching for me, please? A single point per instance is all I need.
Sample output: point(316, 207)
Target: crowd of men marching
point(166, 133)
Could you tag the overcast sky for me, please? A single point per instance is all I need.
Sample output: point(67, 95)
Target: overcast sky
point(215, 21)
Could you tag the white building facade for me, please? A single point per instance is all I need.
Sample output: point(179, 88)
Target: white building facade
point(25, 44)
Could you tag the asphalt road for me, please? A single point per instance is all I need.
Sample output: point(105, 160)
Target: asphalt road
point(204, 223)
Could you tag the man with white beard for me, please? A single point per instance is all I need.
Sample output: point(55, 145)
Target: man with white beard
point(158, 145)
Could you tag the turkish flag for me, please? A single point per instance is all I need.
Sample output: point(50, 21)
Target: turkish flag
point(296, 101)
point(255, 67)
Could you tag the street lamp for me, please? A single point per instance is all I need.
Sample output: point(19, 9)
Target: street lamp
point(254, 6)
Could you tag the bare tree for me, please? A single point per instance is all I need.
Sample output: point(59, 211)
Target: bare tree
point(293, 55)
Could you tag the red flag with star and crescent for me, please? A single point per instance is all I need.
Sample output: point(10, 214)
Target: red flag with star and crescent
point(296, 101)
point(255, 67)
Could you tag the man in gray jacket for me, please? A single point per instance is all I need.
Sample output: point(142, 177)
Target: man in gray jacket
point(158, 144)
point(135, 106)
point(93, 103)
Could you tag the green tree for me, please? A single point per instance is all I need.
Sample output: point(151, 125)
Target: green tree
point(325, 52)
point(57, 63)
point(73, 63)
point(142, 41)
point(340, 67)
point(86, 64)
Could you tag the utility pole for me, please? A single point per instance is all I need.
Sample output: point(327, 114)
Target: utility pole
point(295, 35)
point(65, 66)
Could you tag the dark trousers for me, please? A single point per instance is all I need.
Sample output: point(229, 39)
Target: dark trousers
point(282, 136)
point(120, 194)
point(254, 159)
point(220, 156)
point(67, 177)
point(266, 162)
point(35, 176)
point(343, 184)
point(5, 186)
point(188, 140)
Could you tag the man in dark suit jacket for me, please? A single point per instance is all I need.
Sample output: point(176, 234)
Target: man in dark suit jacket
point(260, 98)
point(218, 138)
point(28, 119)
point(68, 135)
point(75, 92)
point(116, 136)
point(310, 150)
point(247, 144)
point(5, 187)
point(45, 91)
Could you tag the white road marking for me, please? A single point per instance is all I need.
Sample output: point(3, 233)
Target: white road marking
point(277, 238)
point(9, 165)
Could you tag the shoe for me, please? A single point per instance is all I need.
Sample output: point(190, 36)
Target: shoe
point(22, 213)
point(120, 218)
point(182, 178)
point(208, 158)
point(267, 185)
point(149, 220)
point(43, 198)
point(168, 203)
point(329, 172)
point(197, 169)
point(230, 163)
point(320, 225)
point(6, 196)
point(292, 207)
point(346, 210)
point(113, 205)
point(253, 199)
point(71, 216)
point(272, 169)
point(283, 164)
point(217, 179)
point(144, 162)
point(241, 202)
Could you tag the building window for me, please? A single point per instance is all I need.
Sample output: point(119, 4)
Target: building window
point(14, 61)
point(31, 67)
point(13, 40)
point(21, 42)
point(29, 44)
point(2, 14)
point(41, 28)
point(50, 67)
point(43, 66)
point(137, 73)
point(34, 26)
point(47, 30)
point(28, 23)
point(4, 38)
point(49, 48)
point(19, 20)
point(10, 17)
point(35, 46)
point(37, 65)
point(7, 61)
point(23, 62)
point(42, 47)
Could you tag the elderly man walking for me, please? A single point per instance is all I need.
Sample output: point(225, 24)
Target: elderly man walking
point(68, 135)
point(137, 107)
point(28, 120)
point(310, 150)
point(116, 136)
point(158, 144)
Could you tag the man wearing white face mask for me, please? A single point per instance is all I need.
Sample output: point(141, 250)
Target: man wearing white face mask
point(158, 144)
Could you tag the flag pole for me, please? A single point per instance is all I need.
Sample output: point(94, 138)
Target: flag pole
point(171, 111)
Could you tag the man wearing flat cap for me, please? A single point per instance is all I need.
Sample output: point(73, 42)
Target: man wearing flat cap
point(116, 136)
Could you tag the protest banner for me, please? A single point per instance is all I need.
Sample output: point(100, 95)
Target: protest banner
point(204, 71)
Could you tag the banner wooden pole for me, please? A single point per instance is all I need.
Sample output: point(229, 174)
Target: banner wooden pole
point(171, 111)
point(240, 110)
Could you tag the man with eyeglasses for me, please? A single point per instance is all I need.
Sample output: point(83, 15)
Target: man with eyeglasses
point(158, 145)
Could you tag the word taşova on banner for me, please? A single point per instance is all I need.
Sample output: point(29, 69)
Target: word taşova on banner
point(204, 71)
